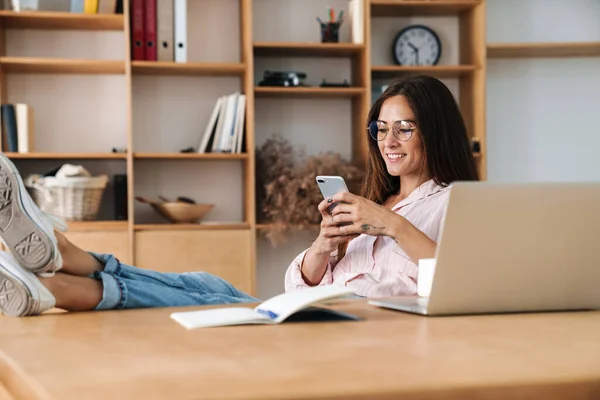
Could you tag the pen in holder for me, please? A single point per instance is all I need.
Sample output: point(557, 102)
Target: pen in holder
point(330, 30)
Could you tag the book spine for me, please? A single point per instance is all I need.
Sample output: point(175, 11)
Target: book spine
point(164, 39)
point(137, 30)
point(9, 127)
point(90, 6)
point(25, 131)
point(150, 31)
point(180, 31)
point(107, 6)
point(77, 6)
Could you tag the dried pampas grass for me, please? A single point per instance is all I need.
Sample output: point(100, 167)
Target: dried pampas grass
point(287, 190)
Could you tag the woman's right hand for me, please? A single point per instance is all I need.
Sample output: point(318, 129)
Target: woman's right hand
point(315, 261)
point(329, 235)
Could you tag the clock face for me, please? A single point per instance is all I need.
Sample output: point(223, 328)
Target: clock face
point(417, 45)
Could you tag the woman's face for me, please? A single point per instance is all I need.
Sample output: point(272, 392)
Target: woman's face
point(402, 158)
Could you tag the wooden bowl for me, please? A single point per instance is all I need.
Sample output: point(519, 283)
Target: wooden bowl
point(181, 213)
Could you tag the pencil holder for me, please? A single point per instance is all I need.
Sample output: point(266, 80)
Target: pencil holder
point(330, 32)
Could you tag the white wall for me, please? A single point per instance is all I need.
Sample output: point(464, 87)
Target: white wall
point(542, 114)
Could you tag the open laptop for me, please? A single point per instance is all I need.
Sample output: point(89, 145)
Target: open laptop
point(514, 248)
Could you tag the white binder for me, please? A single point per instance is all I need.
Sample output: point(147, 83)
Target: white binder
point(180, 31)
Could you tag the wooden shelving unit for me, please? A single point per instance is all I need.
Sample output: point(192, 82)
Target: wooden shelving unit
point(190, 68)
point(263, 91)
point(22, 65)
point(60, 20)
point(189, 247)
point(275, 49)
point(67, 156)
point(534, 50)
point(197, 227)
point(190, 156)
point(395, 8)
point(439, 71)
point(94, 226)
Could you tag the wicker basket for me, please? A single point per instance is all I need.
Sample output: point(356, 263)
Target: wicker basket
point(73, 198)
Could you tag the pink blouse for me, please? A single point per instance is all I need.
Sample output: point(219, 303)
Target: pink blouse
point(375, 266)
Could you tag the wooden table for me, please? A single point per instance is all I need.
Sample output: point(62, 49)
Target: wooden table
point(143, 354)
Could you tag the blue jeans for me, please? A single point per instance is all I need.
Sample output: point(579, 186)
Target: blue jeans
point(125, 286)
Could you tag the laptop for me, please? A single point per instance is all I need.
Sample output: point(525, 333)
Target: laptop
point(514, 248)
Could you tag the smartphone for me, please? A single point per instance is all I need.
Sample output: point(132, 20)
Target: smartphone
point(330, 185)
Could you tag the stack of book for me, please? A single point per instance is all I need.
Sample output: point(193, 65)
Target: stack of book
point(97, 6)
point(17, 128)
point(76, 6)
point(225, 129)
point(158, 30)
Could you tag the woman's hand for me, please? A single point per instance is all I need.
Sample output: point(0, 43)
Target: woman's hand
point(330, 235)
point(314, 265)
point(359, 215)
point(371, 218)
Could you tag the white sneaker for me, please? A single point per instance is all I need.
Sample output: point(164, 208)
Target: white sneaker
point(21, 292)
point(25, 230)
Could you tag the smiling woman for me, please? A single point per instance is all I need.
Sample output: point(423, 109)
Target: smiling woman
point(418, 146)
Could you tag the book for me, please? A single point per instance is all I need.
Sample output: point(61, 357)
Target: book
point(90, 6)
point(165, 30)
point(107, 6)
point(25, 130)
point(150, 30)
point(275, 310)
point(9, 127)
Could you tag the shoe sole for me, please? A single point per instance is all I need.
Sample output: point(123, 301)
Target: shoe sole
point(28, 243)
point(15, 298)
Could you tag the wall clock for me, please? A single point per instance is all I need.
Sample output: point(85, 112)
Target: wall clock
point(417, 45)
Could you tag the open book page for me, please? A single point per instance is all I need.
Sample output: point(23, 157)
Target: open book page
point(220, 317)
point(282, 306)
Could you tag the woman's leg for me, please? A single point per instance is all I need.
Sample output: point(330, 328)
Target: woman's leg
point(74, 293)
point(75, 260)
point(126, 286)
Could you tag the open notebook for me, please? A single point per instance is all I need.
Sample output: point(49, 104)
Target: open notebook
point(293, 306)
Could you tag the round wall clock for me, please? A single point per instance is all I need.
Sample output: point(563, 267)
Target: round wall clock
point(417, 45)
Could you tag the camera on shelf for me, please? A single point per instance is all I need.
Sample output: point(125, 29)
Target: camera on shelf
point(283, 78)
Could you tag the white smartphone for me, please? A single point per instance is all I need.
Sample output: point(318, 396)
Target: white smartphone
point(330, 185)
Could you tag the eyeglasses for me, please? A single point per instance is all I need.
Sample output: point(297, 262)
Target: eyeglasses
point(402, 130)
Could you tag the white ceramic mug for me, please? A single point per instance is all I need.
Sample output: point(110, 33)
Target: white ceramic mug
point(425, 276)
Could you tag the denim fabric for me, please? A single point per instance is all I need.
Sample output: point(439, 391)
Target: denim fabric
point(125, 286)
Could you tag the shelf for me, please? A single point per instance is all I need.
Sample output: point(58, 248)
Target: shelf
point(190, 68)
point(438, 71)
point(61, 20)
point(262, 227)
point(274, 49)
point(265, 91)
point(60, 156)
point(60, 66)
point(87, 226)
point(405, 8)
point(190, 156)
point(202, 226)
point(518, 50)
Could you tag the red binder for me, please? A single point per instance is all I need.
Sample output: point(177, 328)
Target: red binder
point(150, 26)
point(137, 30)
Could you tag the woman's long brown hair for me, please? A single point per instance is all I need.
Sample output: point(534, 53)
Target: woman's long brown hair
point(443, 132)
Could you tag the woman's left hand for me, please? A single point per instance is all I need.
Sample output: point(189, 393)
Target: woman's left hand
point(364, 215)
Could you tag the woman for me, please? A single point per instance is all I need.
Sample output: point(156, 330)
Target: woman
point(418, 145)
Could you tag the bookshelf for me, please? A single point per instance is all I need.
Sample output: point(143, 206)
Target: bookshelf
point(530, 50)
point(153, 122)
